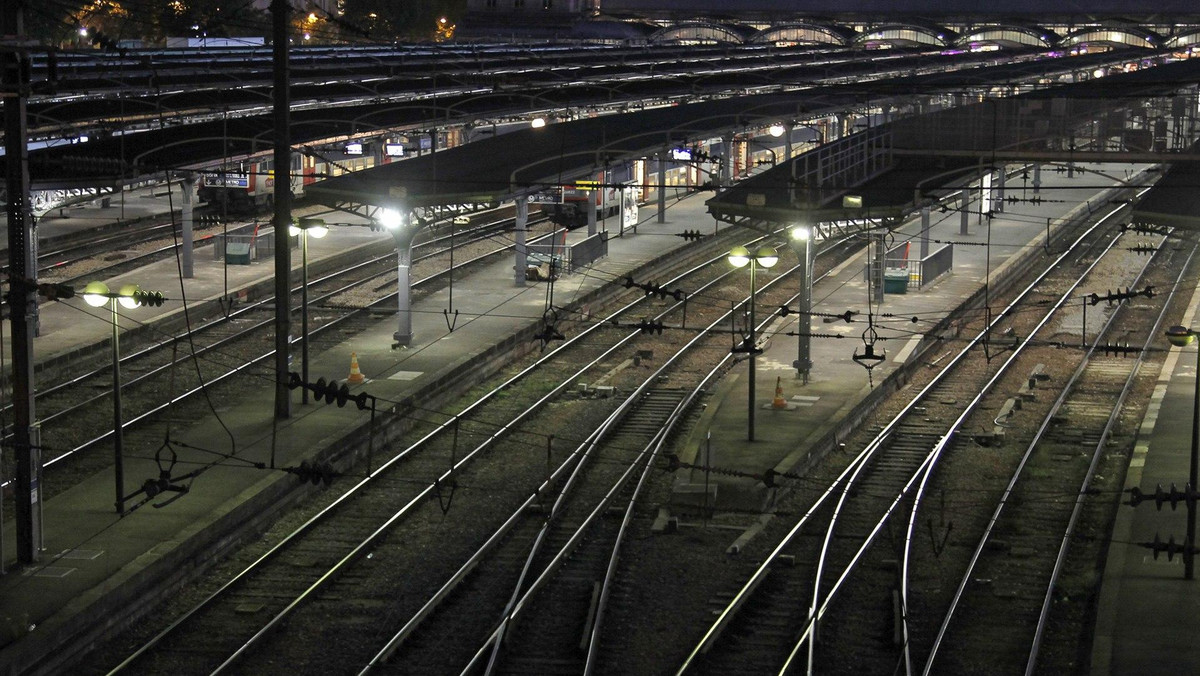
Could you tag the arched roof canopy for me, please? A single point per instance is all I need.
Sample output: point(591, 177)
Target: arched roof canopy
point(1009, 36)
point(1183, 40)
point(1119, 36)
point(905, 34)
point(702, 31)
point(804, 32)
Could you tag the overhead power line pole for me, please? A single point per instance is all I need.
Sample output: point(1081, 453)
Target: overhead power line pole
point(22, 278)
point(283, 208)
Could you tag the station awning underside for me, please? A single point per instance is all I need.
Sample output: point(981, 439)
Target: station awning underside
point(914, 158)
point(530, 160)
point(526, 161)
point(1174, 201)
point(772, 200)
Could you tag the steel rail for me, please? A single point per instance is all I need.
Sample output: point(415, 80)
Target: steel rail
point(516, 606)
point(906, 565)
point(346, 496)
point(744, 594)
point(136, 357)
point(923, 470)
point(495, 436)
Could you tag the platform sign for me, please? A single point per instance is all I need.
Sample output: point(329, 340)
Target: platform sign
point(231, 180)
point(553, 195)
point(587, 185)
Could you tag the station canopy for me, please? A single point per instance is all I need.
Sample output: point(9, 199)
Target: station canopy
point(891, 170)
point(526, 161)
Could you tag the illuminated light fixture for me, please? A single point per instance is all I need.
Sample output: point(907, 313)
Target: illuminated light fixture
point(852, 201)
point(739, 257)
point(1099, 72)
point(126, 296)
point(767, 257)
point(538, 122)
point(83, 31)
point(307, 36)
point(314, 227)
point(777, 130)
point(95, 294)
point(801, 233)
point(391, 219)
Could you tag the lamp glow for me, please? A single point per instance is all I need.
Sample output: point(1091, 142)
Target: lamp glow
point(739, 256)
point(766, 257)
point(538, 122)
point(95, 294)
point(125, 296)
point(315, 227)
point(801, 233)
point(777, 130)
point(390, 219)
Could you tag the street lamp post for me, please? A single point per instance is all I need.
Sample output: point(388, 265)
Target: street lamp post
point(97, 294)
point(303, 228)
point(739, 257)
point(1180, 336)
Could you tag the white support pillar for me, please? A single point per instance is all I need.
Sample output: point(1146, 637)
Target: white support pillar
point(404, 236)
point(879, 268)
point(662, 184)
point(925, 211)
point(1037, 178)
point(591, 213)
point(1001, 177)
point(187, 264)
point(522, 257)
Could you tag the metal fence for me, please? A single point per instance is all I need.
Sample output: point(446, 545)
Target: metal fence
point(568, 257)
point(245, 244)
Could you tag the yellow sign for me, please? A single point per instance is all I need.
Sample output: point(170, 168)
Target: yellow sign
point(852, 201)
point(587, 184)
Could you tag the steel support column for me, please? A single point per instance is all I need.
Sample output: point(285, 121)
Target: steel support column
point(187, 260)
point(283, 207)
point(22, 302)
point(522, 255)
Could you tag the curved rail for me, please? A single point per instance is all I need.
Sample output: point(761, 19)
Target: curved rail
point(924, 470)
point(346, 497)
point(838, 485)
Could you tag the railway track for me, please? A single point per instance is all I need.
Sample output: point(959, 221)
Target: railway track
point(166, 369)
point(360, 580)
point(458, 456)
point(835, 574)
point(1019, 561)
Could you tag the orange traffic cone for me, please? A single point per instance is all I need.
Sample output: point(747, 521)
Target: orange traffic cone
point(356, 376)
point(779, 401)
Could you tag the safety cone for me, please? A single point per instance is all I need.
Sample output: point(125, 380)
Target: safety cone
point(356, 376)
point(779, 401)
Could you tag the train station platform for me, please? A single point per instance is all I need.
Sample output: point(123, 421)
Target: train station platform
point(1147, 608)
point(96, 566)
